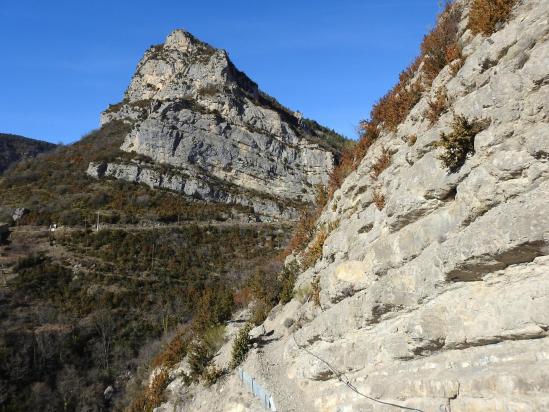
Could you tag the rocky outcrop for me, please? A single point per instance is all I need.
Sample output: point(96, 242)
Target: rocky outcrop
point(200, 118)
point(437, 298)
point(15, 148)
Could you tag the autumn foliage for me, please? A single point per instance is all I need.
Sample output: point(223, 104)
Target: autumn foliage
point(486, 15)
point(438, 49)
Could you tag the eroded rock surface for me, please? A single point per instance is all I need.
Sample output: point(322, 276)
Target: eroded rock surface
point(440, 300)
point(202, 127)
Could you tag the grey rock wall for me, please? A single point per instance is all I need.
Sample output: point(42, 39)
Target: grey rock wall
point(440, 300)
point(193, 110)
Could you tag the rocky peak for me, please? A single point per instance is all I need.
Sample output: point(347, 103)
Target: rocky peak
point(182, 40)
point(221, 138)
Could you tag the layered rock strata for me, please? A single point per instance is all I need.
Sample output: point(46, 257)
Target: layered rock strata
point(204, 128)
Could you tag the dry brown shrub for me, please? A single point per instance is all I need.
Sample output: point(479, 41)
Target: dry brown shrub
point(306, 225)
point(302, 233)
point(392, 109)
point(485, 16)
point(370, 133)
point(440, 47)
point(174, 351)
point(153, 395)
point(350, 160)
point(378, 198)
point(382, 163)
point(411, 139)
point(243, 297)
point(455, 58)
point(340, 172)
point(438, 105)
point(314, 251)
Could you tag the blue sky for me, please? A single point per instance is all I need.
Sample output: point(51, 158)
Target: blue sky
point(63, 62)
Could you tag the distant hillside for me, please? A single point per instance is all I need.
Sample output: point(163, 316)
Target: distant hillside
point(14, 148)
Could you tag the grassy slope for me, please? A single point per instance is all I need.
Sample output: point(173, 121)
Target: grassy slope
point(84, 309)
point(56, 188)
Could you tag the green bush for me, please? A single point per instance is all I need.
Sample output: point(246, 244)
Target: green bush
point(315, 291)
point(241, 345)
point(460, 142)
point(211, 375)
point(289, 275)
point(199, 357)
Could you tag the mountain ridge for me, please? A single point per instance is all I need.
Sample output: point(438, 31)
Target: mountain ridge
point(14, 148)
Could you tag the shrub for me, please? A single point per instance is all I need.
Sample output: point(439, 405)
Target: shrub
point(440, 47)
point(153, 395)
point(208, 90)
point(288, 277)
point(211, 375)
point(199, 357)
point(315, 291)
point(29, 262)
point(173, 353)
point(381, 163)
point(305, 228)
point(241, 345)
point(392, 109)
point(314, 250)
point(260, 312)
point(242, 297)
point(411, 139)
point(437, 106)
point(485, 16)
point(460, 142)
point(214, 307)
point(214, 337)
point(340, 171)
point(378, 198)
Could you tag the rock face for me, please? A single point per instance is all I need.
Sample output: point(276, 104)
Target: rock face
point(202, 127)
point(440, 300)
point(14, 148)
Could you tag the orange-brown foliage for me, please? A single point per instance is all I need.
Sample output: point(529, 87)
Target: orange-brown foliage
point(381, 163)
point(303, 232)
point(486, 15)
point(437, 106)
point(314, 251)
point(378, 198)
point(306, 226)
point(440, 47)
point(392, 109)
point(174, 351)
point(351, 159)
point(153, 395)
point(243, 297)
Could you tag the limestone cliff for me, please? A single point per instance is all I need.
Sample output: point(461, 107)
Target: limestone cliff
point(434, 284)
point(202, 127)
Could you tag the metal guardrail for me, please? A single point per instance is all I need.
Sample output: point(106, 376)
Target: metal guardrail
point(265, 398)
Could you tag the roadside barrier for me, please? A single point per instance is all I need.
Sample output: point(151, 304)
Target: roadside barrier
point(265, 398)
